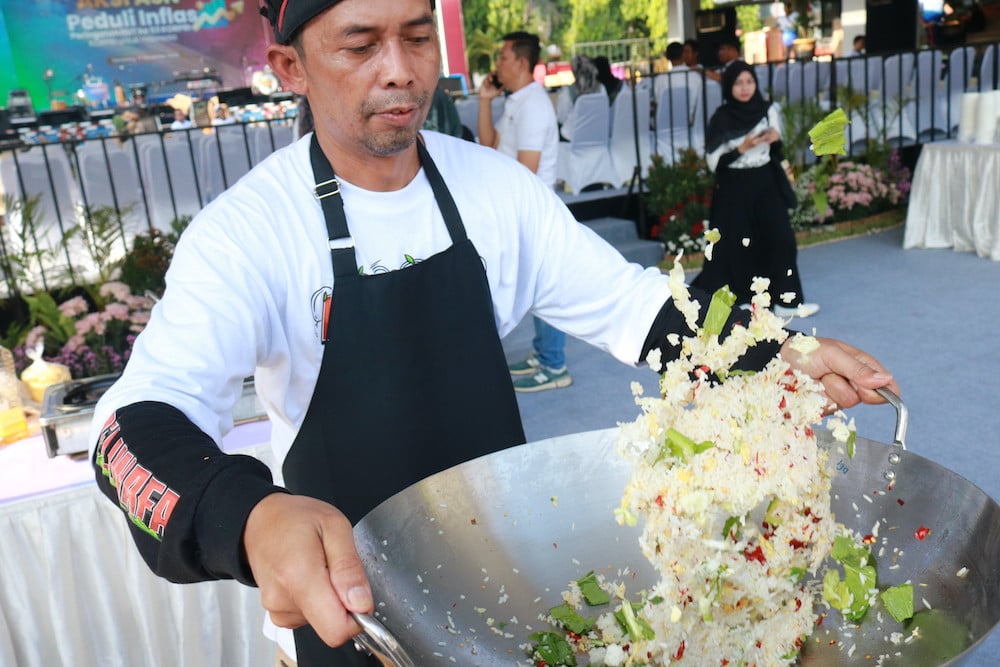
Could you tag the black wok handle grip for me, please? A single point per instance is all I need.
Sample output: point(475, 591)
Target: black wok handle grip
point(902, 415)
point(377, 640)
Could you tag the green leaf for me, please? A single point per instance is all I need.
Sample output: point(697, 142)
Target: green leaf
point(592, 591)
point(852, 441)
point(828, 135)
point(571, 620)
point(898, 601)
point(553, 648)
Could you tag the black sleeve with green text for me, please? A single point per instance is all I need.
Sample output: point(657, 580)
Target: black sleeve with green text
point(185, 499)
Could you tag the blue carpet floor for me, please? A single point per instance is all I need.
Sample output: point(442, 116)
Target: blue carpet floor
point(931, 316)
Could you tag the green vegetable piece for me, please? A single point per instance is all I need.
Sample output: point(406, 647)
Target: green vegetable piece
point(769, 515)
point(850, 595)
point(828, 135)
point(852, 442)
point(635, 627)
point(732, 522)
point(846, 552)
point(571, 620)
point(835, 592)
point(859, 582)
point(592, 591)
point(718, 311)
point(682, 446)
point(713, 235)
point(552, 648)
point(797, 574)
point(898, 601)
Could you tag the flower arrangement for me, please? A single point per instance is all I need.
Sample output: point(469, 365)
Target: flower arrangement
point(86, 340)
point(848, 190)
point(679, 199)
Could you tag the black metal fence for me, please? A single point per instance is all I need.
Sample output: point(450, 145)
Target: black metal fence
point(62, 200)
point(900, 99)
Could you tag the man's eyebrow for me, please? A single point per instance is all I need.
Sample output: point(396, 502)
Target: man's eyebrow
point(359, 28)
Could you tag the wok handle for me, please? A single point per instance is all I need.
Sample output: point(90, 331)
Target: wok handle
point(377, 640)
point(902, 415)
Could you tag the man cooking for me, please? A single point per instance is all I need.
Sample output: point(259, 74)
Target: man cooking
point(364, 276)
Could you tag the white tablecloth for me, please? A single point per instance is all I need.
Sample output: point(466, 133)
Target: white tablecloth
point(955, 199)
point(74, 590)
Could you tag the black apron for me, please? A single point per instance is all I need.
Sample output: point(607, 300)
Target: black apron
point(413, 378)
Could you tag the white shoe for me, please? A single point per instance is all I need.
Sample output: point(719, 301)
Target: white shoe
point(801, 310)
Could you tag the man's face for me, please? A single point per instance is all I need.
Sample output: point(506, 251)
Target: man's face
point(727, 53)
point(509, 66)
point(370, 68)
point(689, 56)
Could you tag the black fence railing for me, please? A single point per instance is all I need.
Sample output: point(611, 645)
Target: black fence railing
point(900, 99)
point(62, 198)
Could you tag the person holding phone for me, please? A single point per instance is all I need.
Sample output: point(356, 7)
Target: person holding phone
point(751, 199)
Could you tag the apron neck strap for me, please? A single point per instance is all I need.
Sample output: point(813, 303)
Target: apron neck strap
point(327, 190)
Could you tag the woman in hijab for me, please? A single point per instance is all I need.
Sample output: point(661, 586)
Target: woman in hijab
point(751, 198)
point(611, 83)
point(584, 82)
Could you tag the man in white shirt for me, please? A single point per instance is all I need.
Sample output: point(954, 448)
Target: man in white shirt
point(528, 132)
point(181, 121)
point(684, 78)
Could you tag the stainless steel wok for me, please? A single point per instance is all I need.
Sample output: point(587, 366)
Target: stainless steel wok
point(464, 562)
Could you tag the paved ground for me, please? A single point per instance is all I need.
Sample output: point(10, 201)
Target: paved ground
point(930, 315)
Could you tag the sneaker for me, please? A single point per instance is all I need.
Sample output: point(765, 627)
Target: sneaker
point(544, 378)
point(801, 310)
point(526, 367)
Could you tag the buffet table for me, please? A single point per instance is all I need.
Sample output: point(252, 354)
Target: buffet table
point(954, 200)
point(74, 590)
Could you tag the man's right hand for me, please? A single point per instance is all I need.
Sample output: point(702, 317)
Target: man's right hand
point(487, 89)
point(302, 554)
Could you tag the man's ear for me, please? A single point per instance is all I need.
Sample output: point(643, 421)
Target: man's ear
point(286, 63)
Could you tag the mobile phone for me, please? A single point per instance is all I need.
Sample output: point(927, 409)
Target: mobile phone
point(494, 80)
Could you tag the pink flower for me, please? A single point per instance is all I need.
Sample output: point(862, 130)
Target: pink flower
point(34, 336)
point(92, 323)
point(118, 290)
point(74, 343)
point(75, 306)
point(116, 311)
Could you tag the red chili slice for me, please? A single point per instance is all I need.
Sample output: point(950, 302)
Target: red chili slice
point(922, 532)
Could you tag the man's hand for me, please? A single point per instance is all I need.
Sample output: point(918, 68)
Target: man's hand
point(849, 376)
point(302, 555)
point(488, 88)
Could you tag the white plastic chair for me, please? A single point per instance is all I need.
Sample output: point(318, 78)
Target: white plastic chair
point(109, 175)
point(931, 92)
point(676, 110)
point(895, 107)
point(623, 133)
point(987, 81)
point(43, 172)
point(712, 95)
point(269, 137)
point(225, 156)
point(169, 176)
point(586, 160)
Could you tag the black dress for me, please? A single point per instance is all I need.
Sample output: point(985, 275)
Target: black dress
point(750, 201)
point(749, 208)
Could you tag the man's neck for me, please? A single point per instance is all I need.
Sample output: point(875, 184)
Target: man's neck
point(371, 172)
point(523, 79)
